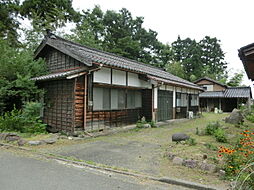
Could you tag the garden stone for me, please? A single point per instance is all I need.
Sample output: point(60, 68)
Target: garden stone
point(180, 137)
point(11, 138)
point(147, 125)
point(22, 142)
point(3, 136)
point(236, 117)
point(81, 136)
point(171, 155)
point(190, 163)
point(34, 143)
point(207, 167)
point(50, 141)
point(63, 137)
point(222, 173)
point(178, 161)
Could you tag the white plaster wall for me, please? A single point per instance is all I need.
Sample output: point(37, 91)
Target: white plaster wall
point(169, 88)
point(178, 89)
point(102, 76)
point(155, 98)
point(119, 77)
point(133, 80)
point(174, 97)
point(162, 87)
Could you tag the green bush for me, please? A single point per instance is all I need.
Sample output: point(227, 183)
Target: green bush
point(250, 117)
point(12, 121)
point(153, 124)
point(191, 141)
point(220, 135)
point(24, 121)
point(211, 128)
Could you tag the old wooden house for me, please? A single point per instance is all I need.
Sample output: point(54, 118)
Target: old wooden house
point(246, 54)
point(89, 89)
point(221, 96)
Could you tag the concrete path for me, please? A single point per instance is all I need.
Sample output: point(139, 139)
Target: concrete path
point(24, 172)
point(137, 156)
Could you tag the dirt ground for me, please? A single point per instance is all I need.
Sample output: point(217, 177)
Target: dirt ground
point(143, 150)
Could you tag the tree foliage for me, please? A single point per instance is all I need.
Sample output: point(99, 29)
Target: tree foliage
point(199, 59)
point(236, 79)
point(48, 14)
point(9, 23)
point(16, 68)
point(119, 33)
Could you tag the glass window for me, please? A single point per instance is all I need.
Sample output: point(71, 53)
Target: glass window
point(106, 99)
point(194, 100)
point(178, 99)
point(121, 99)
point(138, 99)
point(131, 99)
point(184, 100)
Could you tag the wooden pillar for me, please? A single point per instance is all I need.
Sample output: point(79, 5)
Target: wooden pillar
point(174, 102)
point(85, 101)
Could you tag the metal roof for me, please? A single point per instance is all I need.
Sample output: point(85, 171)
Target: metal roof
point(59, 75)
point(231, 92)
point(88, 56)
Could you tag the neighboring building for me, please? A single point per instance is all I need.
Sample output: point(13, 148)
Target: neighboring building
point(246, 54)
point(89, 89)
point(221, 96)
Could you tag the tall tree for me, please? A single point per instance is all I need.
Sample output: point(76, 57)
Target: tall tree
point(16, 68)
point(213, 58)
point(199, 59)
point(236, 79)
point(119, 33)
point(9, 24)
point(48, 14)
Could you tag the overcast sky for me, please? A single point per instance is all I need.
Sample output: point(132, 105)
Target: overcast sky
point(230, 21)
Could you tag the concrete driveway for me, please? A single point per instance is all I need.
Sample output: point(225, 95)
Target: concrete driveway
point(137, 156)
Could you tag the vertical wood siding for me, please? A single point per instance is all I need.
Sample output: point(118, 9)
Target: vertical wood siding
point(58, 111)
point(57, 61)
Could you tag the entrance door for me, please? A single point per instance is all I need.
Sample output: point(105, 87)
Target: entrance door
point(165, 105)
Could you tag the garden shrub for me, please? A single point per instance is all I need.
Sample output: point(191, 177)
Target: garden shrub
point(153, 124)
point(211, 128)
point(24, 121)
point(220, 135)
point(250, 117)
point(191, 141)
point(239, 161)
point(11, 121)
point(140, 123)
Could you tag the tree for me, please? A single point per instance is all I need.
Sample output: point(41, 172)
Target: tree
point(48, 14)
point(200, 59)
point(119, 33)
point(213, 58)
point(236, 79)
point(188, 53)
point(16, 68)
point(176, 69)
point(9, 24)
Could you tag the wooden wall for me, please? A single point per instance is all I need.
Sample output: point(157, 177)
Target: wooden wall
point(58, 109)
point(57, 61)
point(147, 104)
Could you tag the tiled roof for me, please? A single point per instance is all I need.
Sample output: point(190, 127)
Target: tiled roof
point(211, 80)
point(212, 94)
point(59, 75)
point(231, 92)
point(88, 56)
point(237, 92)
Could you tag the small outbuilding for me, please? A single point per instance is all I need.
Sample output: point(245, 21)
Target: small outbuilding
point(89, 89)
point(221, 96)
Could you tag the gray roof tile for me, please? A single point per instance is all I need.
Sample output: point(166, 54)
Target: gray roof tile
point(89, 56)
